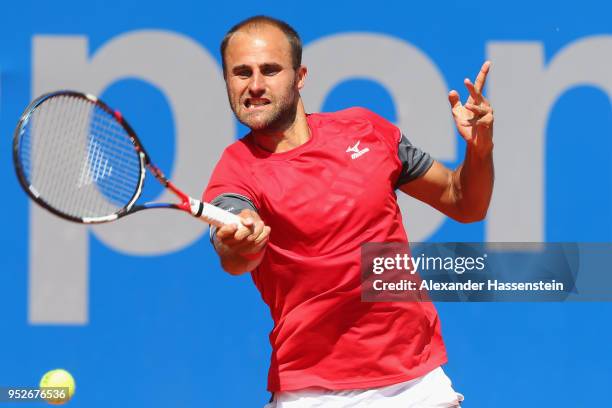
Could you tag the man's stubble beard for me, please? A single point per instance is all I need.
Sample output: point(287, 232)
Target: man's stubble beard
point(280, 119)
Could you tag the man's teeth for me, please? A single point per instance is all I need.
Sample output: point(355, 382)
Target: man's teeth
point(256, 103)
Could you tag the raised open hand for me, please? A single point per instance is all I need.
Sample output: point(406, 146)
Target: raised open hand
point(474, 119)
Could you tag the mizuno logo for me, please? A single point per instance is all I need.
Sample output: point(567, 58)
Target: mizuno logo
point(356, 152)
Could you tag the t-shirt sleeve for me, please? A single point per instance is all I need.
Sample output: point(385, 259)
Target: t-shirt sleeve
point(231, 183)
point(415, 162)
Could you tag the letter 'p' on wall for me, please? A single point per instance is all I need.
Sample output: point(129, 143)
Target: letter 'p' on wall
point(183, 71)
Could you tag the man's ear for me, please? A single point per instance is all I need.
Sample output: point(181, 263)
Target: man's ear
point(301, 76)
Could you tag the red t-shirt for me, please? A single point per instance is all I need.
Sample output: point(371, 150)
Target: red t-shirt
point(323, 200)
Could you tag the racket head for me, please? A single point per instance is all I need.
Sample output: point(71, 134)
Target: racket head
point(78, 158)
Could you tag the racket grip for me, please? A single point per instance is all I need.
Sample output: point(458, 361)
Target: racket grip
point(213, 215)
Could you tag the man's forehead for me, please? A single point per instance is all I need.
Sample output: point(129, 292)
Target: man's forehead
point(258, 38)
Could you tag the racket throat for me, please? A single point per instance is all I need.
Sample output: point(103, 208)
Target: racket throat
point(196, 207)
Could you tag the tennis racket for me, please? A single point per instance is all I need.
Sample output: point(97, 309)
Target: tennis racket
point(81, 160)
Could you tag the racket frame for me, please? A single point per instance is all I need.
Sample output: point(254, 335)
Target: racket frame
point(187, 203)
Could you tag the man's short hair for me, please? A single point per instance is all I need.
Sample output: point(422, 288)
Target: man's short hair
point(292, 36)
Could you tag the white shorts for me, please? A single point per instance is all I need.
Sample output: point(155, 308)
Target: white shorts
point(433, 390)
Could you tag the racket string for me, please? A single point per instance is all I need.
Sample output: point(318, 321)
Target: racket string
point(70, 154)
point(65, 155)
point(85, 113)
point(79, 158)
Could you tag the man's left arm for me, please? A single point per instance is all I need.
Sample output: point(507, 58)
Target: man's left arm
point(465, 193)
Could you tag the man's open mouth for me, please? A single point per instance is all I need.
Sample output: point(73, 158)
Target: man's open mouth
point(254, 103)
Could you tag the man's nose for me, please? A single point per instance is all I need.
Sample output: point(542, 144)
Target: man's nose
point(257, 85)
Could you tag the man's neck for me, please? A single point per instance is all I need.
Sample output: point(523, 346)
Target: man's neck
point(293, 136)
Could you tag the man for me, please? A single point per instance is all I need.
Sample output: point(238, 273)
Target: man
point(312, 189)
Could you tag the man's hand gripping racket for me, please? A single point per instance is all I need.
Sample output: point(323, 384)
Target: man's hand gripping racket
point(81, 160)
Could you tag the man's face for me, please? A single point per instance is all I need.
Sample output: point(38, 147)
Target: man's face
point(262, 86)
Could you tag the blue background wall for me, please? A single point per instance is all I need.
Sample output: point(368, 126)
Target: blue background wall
point(173, 330)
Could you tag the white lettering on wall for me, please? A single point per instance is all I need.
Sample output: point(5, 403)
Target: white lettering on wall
point(521, 88)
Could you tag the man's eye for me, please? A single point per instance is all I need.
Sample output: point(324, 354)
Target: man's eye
point(270, 72)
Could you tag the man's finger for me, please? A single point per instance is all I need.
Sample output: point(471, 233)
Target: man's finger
point(482, 77)
point(226, 231)
point(477, 110)
point(248, 217)
point(242, 233)
point(257, 229)
point(453, 99)
point(265, 233)
point(485, 121)
point(476, 97)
